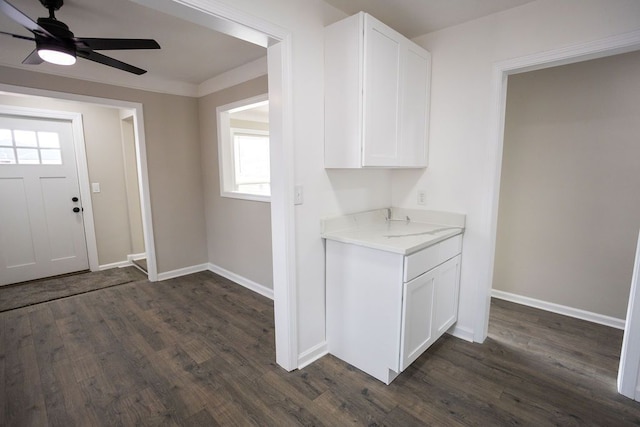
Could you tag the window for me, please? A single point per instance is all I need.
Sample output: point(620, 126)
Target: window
point(243, 148)
point(27, 147)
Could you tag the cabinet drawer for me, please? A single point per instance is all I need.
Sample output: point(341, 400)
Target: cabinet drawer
point(428, 258)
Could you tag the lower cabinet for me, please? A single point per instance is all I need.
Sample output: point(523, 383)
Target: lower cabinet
point(385, 309)
point(429, 308)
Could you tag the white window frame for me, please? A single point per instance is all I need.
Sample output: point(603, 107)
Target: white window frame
point(225, 148)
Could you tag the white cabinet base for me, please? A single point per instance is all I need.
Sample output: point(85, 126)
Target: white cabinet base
point(376, 321)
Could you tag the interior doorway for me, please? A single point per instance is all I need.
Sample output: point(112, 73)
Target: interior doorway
point(278, 43)
point(602, 48)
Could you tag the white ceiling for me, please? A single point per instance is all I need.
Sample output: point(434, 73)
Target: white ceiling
point(192, 54)
point(413, 18)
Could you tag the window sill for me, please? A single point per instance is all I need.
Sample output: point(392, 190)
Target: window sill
point(246, 196)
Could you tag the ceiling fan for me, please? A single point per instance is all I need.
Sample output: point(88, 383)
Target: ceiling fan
point(57, 45)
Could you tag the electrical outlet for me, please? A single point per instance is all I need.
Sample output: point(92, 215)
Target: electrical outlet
point(422, 197)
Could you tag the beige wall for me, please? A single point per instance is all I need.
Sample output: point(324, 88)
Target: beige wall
point(173, 157)
point(570, 190)
point(238, 231)
point(106, 167)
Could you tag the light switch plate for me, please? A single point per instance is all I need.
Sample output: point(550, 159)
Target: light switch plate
point(95, 187)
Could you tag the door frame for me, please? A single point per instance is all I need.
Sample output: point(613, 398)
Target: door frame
point(226, 19)
point(83, 173)
point(614, 45)
point(81, 166)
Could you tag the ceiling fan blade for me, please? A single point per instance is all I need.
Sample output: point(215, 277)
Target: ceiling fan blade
point(116, 44)
point(33, 58)
point(17, 36)
point(12, 12)
point(111, 62)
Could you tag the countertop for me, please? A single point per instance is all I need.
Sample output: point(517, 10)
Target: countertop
point(407, 230)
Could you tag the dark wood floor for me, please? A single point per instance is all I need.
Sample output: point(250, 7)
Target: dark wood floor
point(198, 351)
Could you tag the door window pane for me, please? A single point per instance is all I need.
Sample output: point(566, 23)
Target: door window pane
point(25, 138)
point(5, 137)
point(7, 156)
point(28, 156)
point(48, 140)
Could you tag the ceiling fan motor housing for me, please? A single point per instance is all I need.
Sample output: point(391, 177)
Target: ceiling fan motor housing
point(55, 27)
point(62, 40)
point(52, 4)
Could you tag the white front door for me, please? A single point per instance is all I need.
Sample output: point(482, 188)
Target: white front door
point(41, 223)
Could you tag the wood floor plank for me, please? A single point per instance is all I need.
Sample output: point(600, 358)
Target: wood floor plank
point(199, 350)
point(4, 346)
point(50, 353)
point(80, 410)
point(25, 401)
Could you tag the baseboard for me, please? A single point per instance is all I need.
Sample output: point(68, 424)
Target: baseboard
point(182, 272)
point(135, 257)
point(119, 264)
point(243, 281)
point(560, 309)
point(462, 333)
point(313, 354)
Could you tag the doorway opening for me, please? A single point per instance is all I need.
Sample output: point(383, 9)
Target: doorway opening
point(277, 41)
point(569, 209)
point(599, 49)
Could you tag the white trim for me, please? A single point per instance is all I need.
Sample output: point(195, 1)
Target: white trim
point(81, 168)
point(282, 203)
point(182, 272)
point(135, 257)
point(241, 280)
point(245, 196)
point(314, 353)
point(145, 193)
point(119, 264)
point(501, 70)
point(241, 74)
point(630, 355)
point(226, 151)
point(462, 333)
point(141, 154)
point(559, 309)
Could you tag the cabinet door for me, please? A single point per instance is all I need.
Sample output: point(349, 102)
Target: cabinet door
point(382, 74)
point(417, 312)
point(445, 304)
point(414, 106)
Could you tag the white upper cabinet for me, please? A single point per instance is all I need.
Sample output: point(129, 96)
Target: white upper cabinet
point(376, 96)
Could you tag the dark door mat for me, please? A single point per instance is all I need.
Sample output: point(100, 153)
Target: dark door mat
point(43, 290)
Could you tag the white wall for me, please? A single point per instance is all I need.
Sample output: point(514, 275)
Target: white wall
point(569, 202)
point(459, 177)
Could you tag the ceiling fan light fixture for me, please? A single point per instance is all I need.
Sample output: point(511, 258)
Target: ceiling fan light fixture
point(56, 53)
point(56, 57)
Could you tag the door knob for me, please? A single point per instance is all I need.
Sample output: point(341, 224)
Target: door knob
point(74, 199)
point(76, 210)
